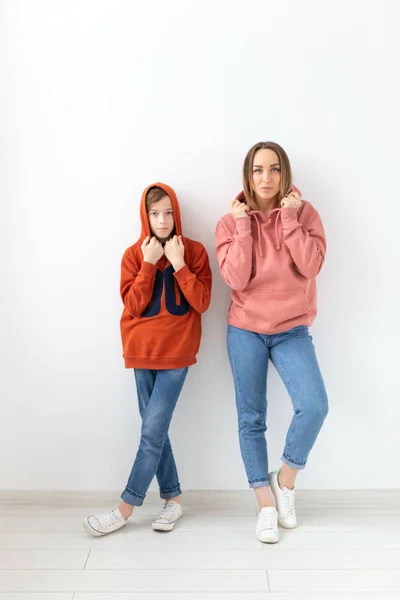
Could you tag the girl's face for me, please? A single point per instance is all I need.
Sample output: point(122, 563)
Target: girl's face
point(266, 177)
point(161, 218)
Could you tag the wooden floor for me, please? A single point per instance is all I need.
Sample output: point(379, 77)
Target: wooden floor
point(347, 546)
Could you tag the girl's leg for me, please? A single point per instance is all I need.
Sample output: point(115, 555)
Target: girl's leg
point(167, 475)
point(156, 421)
point(145, 380)
point(158, 394)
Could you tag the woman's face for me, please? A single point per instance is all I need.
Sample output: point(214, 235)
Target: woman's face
point(266, 176)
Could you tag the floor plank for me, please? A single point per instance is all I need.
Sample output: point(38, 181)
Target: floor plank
point(334, 581)
point(272, 558)
point(134, 581)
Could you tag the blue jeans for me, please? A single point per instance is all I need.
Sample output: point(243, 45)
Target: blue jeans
point(293, 355)
point(158, 393)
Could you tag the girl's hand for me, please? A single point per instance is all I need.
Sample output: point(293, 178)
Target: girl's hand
point(152, 250)
point(175, 252)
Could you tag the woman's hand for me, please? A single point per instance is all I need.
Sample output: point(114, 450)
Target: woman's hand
point(292, 200)
point(238, 209)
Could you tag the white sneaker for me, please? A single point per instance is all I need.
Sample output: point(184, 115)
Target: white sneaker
point(170, 513)
point(284, 500)
point(267, 525)
point(106, 523)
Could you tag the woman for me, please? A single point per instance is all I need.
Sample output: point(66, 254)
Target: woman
point(270, 248)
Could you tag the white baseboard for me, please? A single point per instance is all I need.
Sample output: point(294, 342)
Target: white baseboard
point(202, 497)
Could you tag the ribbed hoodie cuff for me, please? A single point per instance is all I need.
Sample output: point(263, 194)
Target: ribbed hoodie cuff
point(148, 269)
point(243, 226)
point(183, 274)
point(289, 217)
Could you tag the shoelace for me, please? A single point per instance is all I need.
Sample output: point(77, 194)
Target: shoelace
point(289, 503)
point(108, 519)
point(267, 520)
point(167, 511)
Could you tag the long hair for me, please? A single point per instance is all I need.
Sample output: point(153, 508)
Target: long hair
point(286, 173)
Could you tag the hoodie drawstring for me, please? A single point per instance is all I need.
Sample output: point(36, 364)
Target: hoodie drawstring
point(260, 238)
point(278, 243)
point(259, 234)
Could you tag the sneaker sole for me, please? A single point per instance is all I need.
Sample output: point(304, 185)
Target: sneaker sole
point(90, 529)
point(268, 541)
point(286, 526)
point(163, 526)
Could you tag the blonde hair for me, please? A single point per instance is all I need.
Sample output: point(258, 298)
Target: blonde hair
point(286, 173)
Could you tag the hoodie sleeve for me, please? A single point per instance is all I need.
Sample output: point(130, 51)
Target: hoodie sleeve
point(305, 239)
point(235, 252)
point(195, 283)
point(137, 284)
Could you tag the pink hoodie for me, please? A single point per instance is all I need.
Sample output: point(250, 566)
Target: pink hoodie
point(270, 262)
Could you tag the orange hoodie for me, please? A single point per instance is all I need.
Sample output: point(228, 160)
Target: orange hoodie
point(161, 320)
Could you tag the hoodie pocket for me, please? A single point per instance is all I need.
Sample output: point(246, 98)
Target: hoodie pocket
point(270, 308)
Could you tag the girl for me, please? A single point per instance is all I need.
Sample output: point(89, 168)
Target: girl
point(270, 249)
point(165, 287)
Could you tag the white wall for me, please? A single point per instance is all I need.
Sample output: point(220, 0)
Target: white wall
point(103, 97)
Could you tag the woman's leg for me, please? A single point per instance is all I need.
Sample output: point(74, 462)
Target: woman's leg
point(248, 355)
point(293, 356)
point(287, 476)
